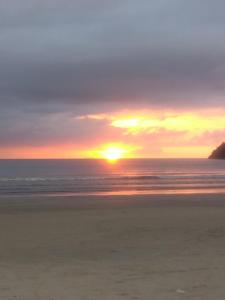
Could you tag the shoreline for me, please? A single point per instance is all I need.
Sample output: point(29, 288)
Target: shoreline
point(148, 192)
point(71, 202)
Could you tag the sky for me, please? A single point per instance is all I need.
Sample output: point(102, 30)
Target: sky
point(80, 77)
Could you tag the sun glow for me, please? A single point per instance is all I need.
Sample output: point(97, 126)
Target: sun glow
point(112, 154)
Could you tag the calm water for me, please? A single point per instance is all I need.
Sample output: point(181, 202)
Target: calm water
point(137, 176)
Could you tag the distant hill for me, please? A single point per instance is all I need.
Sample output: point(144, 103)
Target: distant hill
point(218, 153)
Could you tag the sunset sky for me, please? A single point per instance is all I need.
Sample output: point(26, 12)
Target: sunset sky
point(78, 78)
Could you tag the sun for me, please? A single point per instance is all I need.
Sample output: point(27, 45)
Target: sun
point(112, 154)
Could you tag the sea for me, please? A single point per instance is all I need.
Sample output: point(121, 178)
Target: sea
point(100, 177)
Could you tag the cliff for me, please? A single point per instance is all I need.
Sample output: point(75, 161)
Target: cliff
point(218, 153)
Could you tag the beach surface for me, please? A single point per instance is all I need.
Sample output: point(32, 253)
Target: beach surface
point(130, 247)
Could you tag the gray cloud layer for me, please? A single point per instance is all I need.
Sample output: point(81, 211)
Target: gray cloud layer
point(84, 56)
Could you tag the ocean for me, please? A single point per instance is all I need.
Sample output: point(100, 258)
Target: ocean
point(127, 176)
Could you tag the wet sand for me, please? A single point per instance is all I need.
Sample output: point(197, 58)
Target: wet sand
point(113, 248)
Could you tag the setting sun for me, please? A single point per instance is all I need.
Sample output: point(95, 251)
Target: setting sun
point(113, 153)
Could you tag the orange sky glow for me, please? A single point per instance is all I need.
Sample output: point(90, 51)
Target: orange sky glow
point(145, 133)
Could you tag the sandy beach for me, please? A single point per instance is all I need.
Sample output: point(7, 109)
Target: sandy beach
point(112, 248)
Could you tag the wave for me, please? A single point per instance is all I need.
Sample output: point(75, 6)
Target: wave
point(117, 177)
point(120, 177)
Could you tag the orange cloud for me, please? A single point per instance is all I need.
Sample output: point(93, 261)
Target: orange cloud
point(192, 124)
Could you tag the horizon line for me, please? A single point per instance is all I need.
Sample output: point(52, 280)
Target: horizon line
point(90, 158)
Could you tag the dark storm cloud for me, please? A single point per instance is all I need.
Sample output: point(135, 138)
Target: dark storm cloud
point(85, 56)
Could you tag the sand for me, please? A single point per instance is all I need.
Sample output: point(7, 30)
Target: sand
point(112, 248)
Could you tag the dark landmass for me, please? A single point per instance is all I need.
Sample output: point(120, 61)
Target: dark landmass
point(218, 153)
